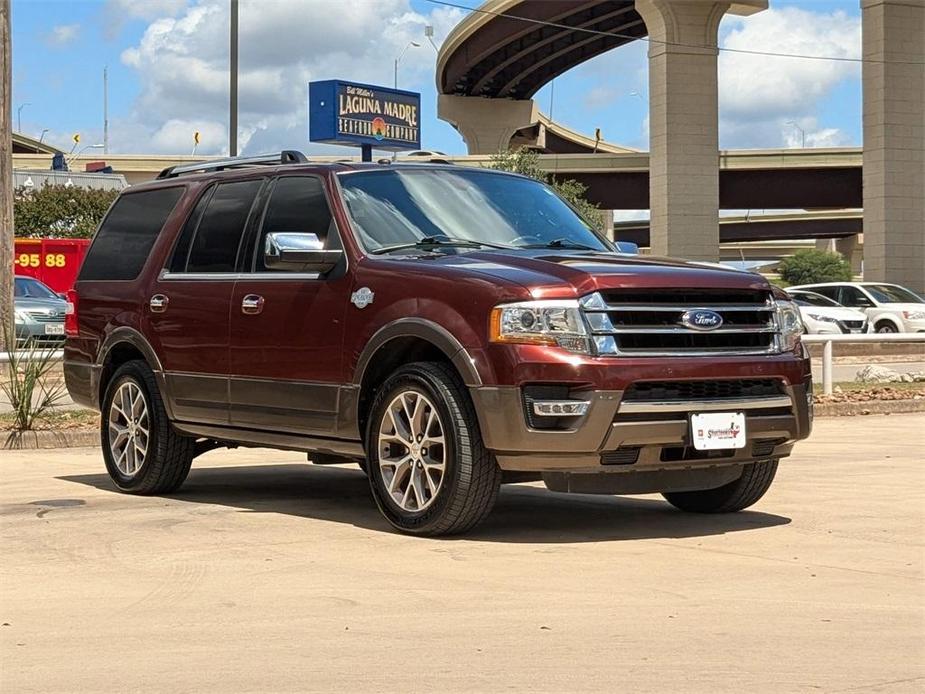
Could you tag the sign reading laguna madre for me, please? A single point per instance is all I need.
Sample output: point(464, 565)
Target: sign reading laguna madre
point(346, 113)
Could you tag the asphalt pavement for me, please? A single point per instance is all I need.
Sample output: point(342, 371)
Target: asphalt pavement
point(265, 574)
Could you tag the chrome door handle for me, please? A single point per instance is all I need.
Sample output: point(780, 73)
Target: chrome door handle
point(158, 303)
point(252, 304)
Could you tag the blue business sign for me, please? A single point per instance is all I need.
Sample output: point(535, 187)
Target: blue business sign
point(346, 113)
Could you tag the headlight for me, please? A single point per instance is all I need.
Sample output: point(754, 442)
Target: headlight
point(791, 325)
point(552, 322)
point(914, 315)
point(824, 319)
point(20, 317)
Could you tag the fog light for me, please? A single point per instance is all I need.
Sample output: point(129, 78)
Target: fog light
point(560, 408)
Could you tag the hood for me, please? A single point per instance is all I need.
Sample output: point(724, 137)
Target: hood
point(557, 273)
point(837, 312)
point(30, 304)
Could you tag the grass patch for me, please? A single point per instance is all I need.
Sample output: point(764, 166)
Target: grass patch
point(56, 419)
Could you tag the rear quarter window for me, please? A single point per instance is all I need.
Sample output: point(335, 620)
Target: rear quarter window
point(128, 233)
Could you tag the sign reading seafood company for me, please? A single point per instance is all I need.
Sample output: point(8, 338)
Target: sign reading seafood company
point(346, 113)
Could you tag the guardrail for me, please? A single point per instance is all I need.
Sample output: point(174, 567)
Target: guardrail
point(828, 340)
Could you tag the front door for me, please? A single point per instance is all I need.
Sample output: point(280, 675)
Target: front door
point(287, 328)
point(188, 310)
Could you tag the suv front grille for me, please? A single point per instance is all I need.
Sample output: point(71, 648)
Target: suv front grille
point(650, 323)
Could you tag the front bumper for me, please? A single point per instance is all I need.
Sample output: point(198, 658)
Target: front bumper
point(35, 332)
point(619, 435)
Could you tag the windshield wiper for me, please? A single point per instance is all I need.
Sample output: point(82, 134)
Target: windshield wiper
point(561, 243)
point(428, 242)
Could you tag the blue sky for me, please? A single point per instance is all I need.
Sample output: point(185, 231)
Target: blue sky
point(166, 60)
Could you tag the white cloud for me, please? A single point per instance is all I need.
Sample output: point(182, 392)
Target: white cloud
point(182, 65)
point(117, 12)
point(759, 93)
point(62, 34)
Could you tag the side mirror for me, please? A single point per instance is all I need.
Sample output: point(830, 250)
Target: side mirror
point(298, 252)
point(627, 247)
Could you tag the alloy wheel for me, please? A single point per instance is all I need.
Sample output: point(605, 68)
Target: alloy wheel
point(129, 428)
point(412, 451)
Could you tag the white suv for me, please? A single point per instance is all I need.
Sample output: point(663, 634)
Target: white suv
point(889, 307)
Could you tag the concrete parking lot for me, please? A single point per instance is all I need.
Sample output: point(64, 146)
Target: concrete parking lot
point(265, 574)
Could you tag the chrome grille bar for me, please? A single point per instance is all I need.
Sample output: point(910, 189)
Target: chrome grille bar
point(619, 326)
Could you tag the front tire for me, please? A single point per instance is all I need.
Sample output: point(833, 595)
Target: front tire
point(885, 327)
point(429, 471)
point(142, 451)
point(739, 494)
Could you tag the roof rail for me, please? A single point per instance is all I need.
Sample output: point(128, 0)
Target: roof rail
point(287, 156)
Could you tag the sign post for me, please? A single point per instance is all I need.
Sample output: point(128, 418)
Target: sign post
point(364, 115)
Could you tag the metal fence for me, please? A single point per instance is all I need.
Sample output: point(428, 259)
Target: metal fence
point(871, 338)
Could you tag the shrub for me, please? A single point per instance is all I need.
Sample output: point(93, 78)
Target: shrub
point(527, 163)
point(811, 267)
point(29, 386)
point(60, 211)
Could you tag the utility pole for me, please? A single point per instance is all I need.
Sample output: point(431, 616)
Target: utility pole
point(233, 69)
point(105, 110)
point(6, 178)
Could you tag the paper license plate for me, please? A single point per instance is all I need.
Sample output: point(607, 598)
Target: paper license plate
point(712, 431)
point(54, 329)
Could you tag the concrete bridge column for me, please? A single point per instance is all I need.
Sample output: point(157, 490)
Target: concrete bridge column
point(487, 125)
point(894, 141)
point(684, 122)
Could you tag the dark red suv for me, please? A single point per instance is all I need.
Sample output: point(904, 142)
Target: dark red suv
point(448, 328)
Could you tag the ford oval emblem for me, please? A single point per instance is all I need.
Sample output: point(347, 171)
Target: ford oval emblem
point(701, 319)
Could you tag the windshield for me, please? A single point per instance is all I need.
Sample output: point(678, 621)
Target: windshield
point(891, 294)
point(392, 207)
point(27, 288)
point(809, 299)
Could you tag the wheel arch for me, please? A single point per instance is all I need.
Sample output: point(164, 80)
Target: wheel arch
point(888, 318)
point(122, 345)
point(402, 342)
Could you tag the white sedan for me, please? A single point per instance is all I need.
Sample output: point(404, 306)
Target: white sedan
point(823, 315)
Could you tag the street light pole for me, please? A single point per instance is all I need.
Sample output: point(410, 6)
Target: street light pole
point(402, 55)
point(233, 106)
point(106, 110)
point(19, 116)
point(802, 133)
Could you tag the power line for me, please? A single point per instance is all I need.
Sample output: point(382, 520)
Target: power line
point(646, 39)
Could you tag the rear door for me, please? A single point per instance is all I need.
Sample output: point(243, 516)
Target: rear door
point(287, 327)
point(188, 306)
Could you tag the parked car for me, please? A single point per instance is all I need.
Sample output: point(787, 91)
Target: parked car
point(38, 312)
point(447, 328)
point(821, 315)
point(889, 307)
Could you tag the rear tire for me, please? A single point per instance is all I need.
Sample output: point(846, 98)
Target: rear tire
point(428, 469)
point(143, 452)
point(739, 494)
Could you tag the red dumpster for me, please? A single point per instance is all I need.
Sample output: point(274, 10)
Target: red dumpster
point(55, 262)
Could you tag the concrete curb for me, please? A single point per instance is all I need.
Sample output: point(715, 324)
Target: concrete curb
point(61, 438)
point(851, 409)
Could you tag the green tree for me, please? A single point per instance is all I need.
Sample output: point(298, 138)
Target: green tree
point(811, 266)
point(59, 211)
point(526, 162)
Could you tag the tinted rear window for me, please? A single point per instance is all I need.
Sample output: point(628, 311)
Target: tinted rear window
point(128, 233)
